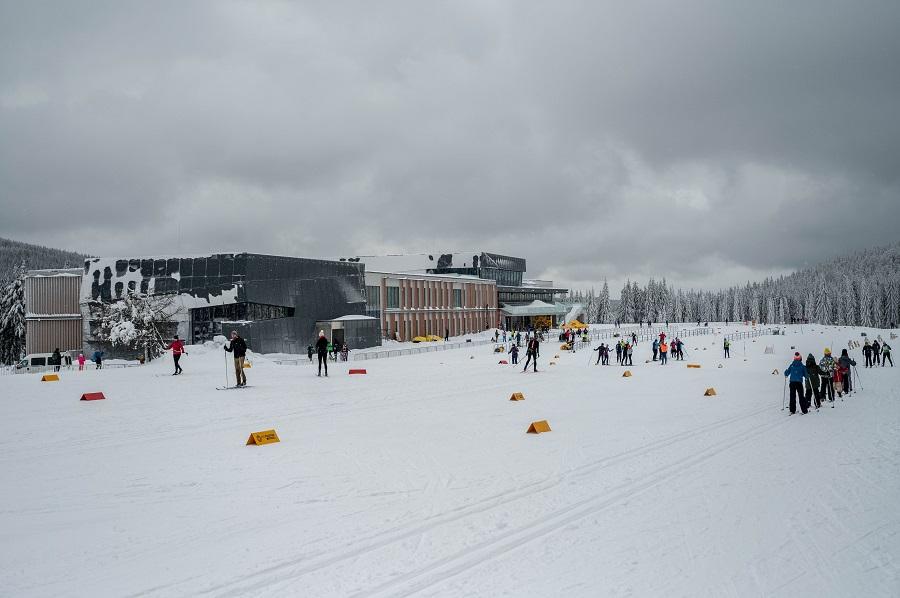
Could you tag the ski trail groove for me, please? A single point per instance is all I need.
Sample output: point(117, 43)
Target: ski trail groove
point(453, 565)
point(353, 550)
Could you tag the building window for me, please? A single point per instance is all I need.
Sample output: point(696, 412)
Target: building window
point(457, 298)
point(393, 297)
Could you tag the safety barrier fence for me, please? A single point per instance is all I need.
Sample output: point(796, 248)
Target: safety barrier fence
point(43, 369)
point(429, 348)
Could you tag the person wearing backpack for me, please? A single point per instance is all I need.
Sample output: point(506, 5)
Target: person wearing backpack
point(827, 367)
point(844, 363)
point(727, 346)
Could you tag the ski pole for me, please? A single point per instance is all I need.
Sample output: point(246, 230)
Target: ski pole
point(858, 380)
point(226, 370)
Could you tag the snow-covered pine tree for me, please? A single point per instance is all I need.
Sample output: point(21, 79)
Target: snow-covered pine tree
point(865, 303)
point(626, 308)
point(12, 318)
point(851, 305)
point(823, 301)
point(604, 313)
point(137, 321)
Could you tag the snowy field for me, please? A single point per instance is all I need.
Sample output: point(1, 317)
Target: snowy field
point(418, 479)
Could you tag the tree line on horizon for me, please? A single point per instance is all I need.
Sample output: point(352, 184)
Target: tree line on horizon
point(860, 289)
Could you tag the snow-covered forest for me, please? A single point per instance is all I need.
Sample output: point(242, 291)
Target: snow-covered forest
point(861, 289)
point(35, 257)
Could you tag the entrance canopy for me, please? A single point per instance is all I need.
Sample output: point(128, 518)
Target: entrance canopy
point(535, 308)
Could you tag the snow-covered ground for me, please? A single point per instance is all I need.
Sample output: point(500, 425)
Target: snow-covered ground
point(418, 478)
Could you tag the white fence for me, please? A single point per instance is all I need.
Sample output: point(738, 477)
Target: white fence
point(642, 334)
point(8, 370)
point(429, 348)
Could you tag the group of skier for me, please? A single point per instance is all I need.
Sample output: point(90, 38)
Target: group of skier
point(877, 353)
point(624, 349)
point(812, 383)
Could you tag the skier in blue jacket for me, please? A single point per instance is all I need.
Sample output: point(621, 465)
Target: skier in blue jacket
point(796, 372)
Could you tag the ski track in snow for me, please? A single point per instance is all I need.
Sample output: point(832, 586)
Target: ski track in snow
point(418, 479)
point(374, 542)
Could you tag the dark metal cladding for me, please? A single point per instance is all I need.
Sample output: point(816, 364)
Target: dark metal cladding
point(274, 302)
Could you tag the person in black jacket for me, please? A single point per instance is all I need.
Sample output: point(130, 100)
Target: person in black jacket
point(239, 347)
point(56, 359)
point(531, 353)
point(322, 352)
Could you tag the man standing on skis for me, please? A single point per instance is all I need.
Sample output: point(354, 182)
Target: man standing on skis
point(867, 353)
point(239, 347)
point(531, 353)
point(177, 349)
point(322, 352)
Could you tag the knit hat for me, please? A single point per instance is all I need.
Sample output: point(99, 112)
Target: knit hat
point(797, 357)
point(827, 351)
point(321, 333)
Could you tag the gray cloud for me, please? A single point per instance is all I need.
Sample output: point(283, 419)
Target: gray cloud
point(706, 143)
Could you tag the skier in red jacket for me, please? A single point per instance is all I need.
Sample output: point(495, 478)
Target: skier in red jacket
point(177, 349)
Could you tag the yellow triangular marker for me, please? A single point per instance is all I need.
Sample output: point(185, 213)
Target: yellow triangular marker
point(247, 364)
point(517, 396)
point(694, 365)
point(627, 374)
point(710, 392)
point(538, 427)
point(264, 437)
point(49, 378)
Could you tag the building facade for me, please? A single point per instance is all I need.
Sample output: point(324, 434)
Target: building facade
point(274, 302)
point(416, 305)
point(53, 317)
point(520, 303)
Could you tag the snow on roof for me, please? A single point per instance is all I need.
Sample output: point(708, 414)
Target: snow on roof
point(412, 262)
point(56, 272)
point(535, 308)
point(350, 318)
point(450, 275)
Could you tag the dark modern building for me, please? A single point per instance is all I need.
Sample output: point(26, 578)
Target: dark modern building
point(274, 302)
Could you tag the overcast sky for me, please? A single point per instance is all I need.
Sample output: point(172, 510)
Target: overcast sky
point(707, 142)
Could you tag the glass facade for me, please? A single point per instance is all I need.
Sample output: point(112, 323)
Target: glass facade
point(393, 297)
point(506, 270)
point(373, 301)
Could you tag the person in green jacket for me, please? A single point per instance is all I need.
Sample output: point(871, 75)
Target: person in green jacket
point(886, 354)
